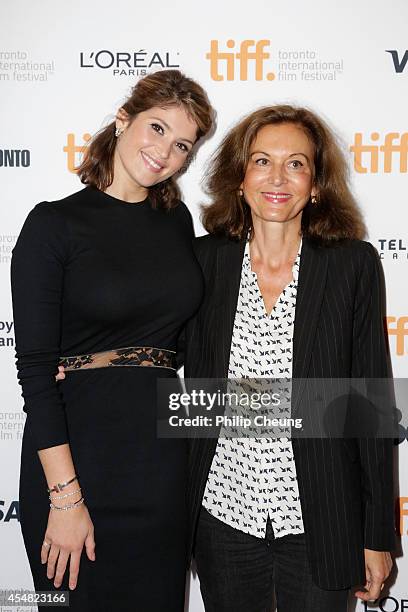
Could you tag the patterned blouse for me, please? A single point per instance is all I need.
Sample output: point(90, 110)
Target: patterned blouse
point(253, 478)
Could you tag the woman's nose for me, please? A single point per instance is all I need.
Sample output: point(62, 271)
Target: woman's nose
point(164, 150)
point(277, 174)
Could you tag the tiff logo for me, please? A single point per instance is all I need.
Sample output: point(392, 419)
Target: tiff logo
point(399, 64)
point(74, 151)
point(395, 147)
point(399, 331)
point(403, 512)
point(251, 52)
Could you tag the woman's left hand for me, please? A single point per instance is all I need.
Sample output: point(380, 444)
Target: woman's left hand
point(378, 566)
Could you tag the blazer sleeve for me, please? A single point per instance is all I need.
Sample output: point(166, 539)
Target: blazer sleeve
point(370, 360)
point(37, 274)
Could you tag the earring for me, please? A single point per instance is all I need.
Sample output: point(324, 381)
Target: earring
point(118, 132)
point(314, 199)
point(240, 192)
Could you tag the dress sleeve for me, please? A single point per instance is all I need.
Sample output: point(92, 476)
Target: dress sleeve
point(37, 274)
point(187, 221)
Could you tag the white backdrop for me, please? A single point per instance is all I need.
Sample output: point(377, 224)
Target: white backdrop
point(60, 80)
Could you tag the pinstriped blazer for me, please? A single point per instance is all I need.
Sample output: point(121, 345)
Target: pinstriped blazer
point(345, 485)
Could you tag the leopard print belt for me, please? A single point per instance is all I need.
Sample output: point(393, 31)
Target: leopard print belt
point(148, 356)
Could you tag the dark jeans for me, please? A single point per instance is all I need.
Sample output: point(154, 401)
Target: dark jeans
point(240, 573)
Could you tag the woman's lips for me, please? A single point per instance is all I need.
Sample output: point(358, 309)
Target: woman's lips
point(276, 197)
point(151, 163)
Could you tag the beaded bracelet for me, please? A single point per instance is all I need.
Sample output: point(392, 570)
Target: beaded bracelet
point(51, 498)
point(68, 506)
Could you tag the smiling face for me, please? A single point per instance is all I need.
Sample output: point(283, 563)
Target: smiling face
point(152, 147)
point(278, 180)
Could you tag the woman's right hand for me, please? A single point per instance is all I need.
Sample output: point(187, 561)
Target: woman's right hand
point(61, 373)
point(67, 532)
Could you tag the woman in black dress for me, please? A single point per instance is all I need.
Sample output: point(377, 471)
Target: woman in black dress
point(98, 272)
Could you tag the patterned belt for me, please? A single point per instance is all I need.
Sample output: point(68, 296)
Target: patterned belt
point(132, 356)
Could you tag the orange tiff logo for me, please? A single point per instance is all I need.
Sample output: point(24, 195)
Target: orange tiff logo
point(393, 153)
point(398, 327)
point(250, 53)
point(74, 151)
point(403, 513)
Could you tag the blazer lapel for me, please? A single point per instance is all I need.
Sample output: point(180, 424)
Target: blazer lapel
point(228, 278)
point(311, 286)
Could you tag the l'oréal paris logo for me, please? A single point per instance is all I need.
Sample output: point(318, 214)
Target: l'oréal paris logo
point(129, 63)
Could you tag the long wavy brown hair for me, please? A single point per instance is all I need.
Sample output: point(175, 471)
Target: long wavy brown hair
point(333, 217)
point(164, 88)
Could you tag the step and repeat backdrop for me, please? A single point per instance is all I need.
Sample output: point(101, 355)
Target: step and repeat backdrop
point(66, 67)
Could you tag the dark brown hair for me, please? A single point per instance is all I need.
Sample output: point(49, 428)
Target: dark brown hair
point(164, 88)
point(335, 216)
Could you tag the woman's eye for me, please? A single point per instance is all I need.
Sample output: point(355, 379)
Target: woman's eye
point(295, 164)
point(157, 128)
point(261, 161)
point(182, 147)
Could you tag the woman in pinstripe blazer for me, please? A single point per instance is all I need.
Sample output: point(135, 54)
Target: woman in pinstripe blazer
point(280, 197)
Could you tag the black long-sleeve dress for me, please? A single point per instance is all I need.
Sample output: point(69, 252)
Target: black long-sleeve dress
point(92, 273)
